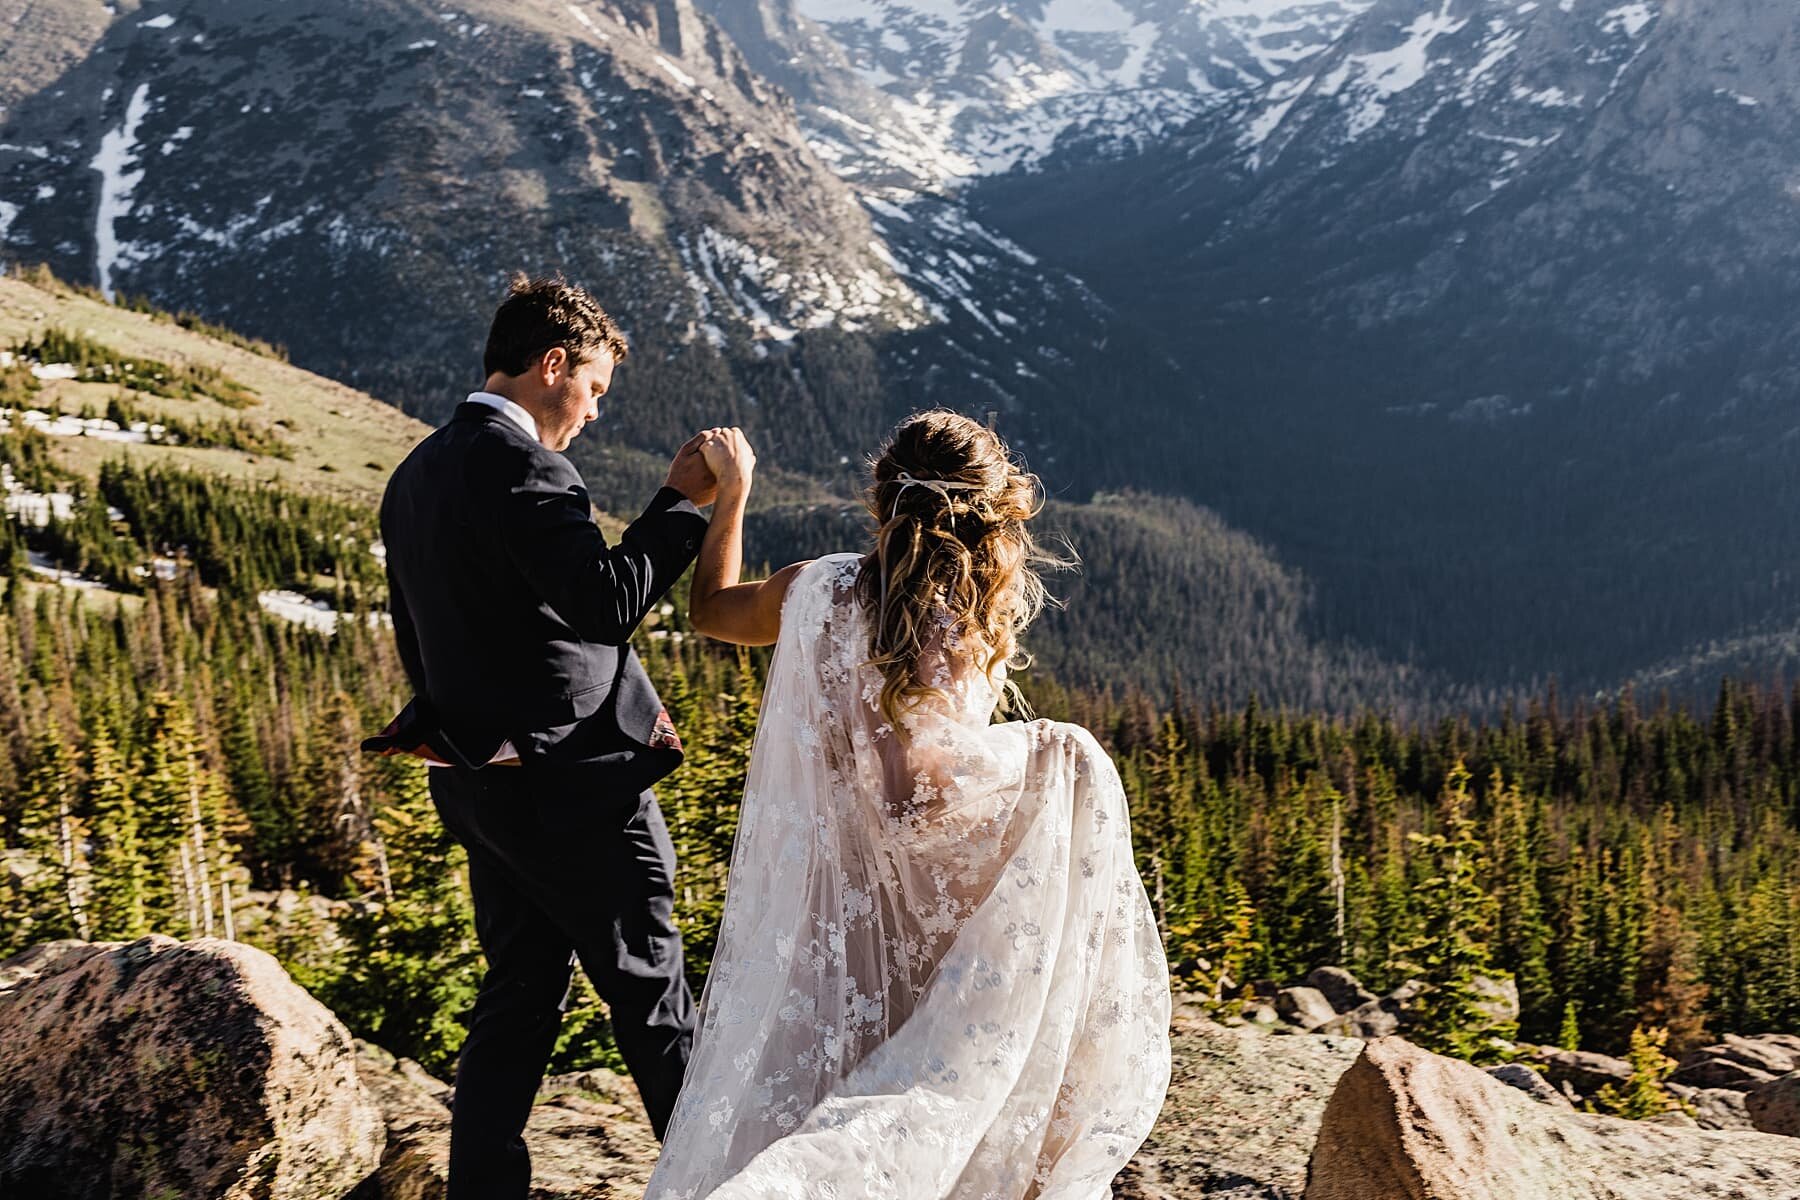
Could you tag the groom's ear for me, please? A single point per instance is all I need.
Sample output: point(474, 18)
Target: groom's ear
point(553, 365)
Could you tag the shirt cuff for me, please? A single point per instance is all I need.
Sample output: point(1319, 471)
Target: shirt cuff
point(670, 499)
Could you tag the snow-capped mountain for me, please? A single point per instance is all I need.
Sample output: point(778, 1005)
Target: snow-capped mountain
point(973, 87)
point(1494, 299)
point(353, 180)
point(1526, 73)
point(628, 120)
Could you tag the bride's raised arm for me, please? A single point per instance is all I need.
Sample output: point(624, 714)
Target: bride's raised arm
point(747, 614)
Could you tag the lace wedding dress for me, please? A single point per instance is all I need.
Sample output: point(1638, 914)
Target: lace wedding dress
point(938, 974)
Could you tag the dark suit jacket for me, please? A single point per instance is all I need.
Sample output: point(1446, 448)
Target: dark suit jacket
point(513, 614)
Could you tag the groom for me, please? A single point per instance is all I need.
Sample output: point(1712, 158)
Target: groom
point(512, 616)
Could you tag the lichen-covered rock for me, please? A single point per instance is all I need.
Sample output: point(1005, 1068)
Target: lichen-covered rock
point(29, 964)
point(1405, 1124)
point(163, 1068)
point(1775, 1107)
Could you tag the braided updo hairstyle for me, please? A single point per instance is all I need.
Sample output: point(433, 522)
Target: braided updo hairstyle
point(965, 554)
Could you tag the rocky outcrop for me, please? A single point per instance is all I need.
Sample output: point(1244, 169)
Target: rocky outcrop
point(1583, 1071)
point(1242, 1112)
point(1775, 1107)
point(158, 1067)
point(1714, 1108)
point(1739, 1063)
point(1304, 1006)
point(1330, 1000)
point(1404, 1124)
point(1345, 992)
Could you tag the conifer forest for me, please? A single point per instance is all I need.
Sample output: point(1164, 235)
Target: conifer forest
point(180, 759)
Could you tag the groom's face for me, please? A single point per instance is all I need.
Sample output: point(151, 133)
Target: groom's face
point(574, 398)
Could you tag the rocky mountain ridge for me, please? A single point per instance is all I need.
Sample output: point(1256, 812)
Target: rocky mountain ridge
point(1532, 263)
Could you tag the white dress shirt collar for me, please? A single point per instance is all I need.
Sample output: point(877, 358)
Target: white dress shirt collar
point(519, 415)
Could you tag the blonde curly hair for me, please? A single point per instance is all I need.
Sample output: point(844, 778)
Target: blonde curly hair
point(951, 506)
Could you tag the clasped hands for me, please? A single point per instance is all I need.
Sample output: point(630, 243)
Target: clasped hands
point(713, 461)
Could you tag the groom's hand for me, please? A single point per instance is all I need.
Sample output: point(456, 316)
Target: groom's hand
point(729, 455)
point(690, 475)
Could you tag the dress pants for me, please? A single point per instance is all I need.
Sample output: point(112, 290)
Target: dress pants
point(559, 868)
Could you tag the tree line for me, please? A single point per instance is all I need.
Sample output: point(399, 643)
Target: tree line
point(178, 760)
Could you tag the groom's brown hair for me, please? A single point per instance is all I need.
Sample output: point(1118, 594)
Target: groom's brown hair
point(540, 314)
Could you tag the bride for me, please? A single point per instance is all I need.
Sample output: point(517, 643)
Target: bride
point(937, 974)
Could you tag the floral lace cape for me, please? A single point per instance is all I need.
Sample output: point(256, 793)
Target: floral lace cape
point(938, 974)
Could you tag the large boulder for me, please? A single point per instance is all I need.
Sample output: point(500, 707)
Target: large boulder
point(1758, 1053)
point(164, 1068)
point(1405, 1124)
point(1371, 1020)
point(1241, 1115)
point(1720, 1073)
point(1340, 987)
point(1528, 1081)
point(1584, 1071)
point(1303, 1006)
point(1713, 1108)
point(1775, 1107)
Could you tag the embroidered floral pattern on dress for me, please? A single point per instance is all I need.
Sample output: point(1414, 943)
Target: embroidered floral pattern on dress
point(938, 974)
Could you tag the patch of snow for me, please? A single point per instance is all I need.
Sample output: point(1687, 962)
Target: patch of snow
point(1550, 97)
point(676, 73)
point(8, 214)
point(887, 210)
point(1390, 72)
point(422, 44)
point(1629, 20)
point(162, 22)
point(114, 160)
point(312, 614)
point(40, 564)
